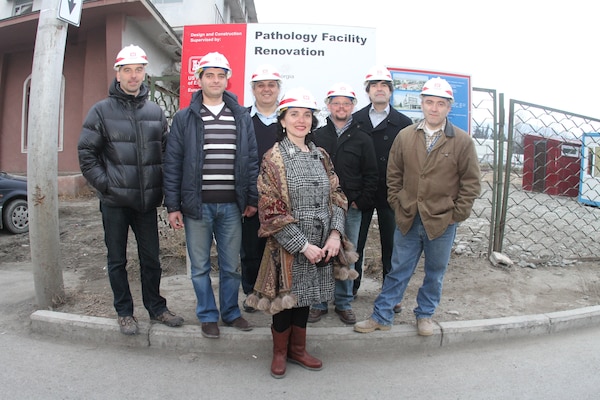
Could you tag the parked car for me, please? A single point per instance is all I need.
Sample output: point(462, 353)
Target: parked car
point(14, 211)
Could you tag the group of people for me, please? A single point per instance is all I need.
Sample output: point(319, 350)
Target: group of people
point(281, 197)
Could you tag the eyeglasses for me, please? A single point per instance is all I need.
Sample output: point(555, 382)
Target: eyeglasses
point(345, 105)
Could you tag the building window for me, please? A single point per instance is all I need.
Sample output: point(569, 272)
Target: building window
point(22, 7)
point(25, 114)
point(593, 161)
point(568, 150)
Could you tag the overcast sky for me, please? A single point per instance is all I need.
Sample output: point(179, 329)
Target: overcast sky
point(542, 52)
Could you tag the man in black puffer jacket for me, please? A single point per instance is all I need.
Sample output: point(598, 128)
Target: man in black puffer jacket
point(120, 154)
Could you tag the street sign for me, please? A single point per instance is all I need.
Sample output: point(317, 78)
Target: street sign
point(70, 11)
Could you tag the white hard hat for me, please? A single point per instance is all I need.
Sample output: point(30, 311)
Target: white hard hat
point(213, 60)
point(378, 73)
point(266, 72)
point(130, 55)
point(297, 97)
point(438, 87)
point(341, 89)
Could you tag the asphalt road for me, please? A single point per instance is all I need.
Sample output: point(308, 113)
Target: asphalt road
point(563, 365)
point(559, 366)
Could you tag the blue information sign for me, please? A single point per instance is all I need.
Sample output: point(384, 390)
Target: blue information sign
point(407, 88)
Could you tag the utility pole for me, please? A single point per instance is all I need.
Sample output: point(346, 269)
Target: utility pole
point(42, 157)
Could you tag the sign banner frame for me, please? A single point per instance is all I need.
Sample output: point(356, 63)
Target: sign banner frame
point(311, 56)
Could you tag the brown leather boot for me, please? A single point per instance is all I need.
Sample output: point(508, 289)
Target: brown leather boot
point(280, 349)
point(297, 350)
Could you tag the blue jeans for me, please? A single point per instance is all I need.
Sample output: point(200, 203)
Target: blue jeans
point(387, 226)
point(116, 222)
point(343, 289)
point(224, 221)
point(407, 252)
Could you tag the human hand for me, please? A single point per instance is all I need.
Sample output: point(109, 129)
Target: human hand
point(250, 211)
point(314, 254)
point(332, 245)
point(176, 219)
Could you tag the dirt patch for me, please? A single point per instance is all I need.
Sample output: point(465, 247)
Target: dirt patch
point(473, 288)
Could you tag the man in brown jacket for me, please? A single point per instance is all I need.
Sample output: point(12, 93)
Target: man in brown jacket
point(433, 179)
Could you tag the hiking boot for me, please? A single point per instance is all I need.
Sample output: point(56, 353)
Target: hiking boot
point(425, 326)
point(210, 330)
point(346, 316)
point(128, 325)
point(314, 315)
point(169, 319)
point(370, 325)
point(240, 323)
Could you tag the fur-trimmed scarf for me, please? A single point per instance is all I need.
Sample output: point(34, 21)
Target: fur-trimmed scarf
point(273, 287)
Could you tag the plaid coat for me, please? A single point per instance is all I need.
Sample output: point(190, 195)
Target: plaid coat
point(300, 200)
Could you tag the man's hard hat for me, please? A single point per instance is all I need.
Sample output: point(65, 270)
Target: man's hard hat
point(131, 54)
point(341, 89)
point(213, 60)
point(438, 87)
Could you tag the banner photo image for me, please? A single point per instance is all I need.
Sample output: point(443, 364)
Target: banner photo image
point(408, 84)
point(311, 56)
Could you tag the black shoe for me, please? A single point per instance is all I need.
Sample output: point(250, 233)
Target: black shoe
point(247, 308)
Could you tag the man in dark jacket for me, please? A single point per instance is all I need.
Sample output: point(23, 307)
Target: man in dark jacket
point(353, 157)
point(266, 86)
point(120, 154)
point(382, 122)
point(211, 167)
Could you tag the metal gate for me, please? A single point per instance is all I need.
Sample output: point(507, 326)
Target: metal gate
point(526, 223)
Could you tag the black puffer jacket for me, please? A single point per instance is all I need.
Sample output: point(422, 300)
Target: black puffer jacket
point(121, 148)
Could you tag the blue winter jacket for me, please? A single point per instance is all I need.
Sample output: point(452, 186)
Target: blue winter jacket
point(184, 158)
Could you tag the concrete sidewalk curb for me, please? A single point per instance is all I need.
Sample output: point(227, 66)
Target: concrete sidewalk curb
point(99, 330)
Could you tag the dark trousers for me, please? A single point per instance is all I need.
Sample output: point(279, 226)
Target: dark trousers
point(387, 226)
point(291, 316)
point(251, 252)
point(116, 221)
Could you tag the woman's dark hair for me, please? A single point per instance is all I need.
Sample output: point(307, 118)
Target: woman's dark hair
point(281, 134)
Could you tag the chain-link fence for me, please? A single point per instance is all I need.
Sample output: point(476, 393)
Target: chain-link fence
point(540, 190)
point(164, 91)
point(539, 202)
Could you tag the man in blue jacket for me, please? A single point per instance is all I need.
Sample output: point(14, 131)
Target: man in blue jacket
point(210, 172)
point(120, 154)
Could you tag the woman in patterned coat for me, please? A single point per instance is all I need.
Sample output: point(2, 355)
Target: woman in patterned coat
point(302, 213)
